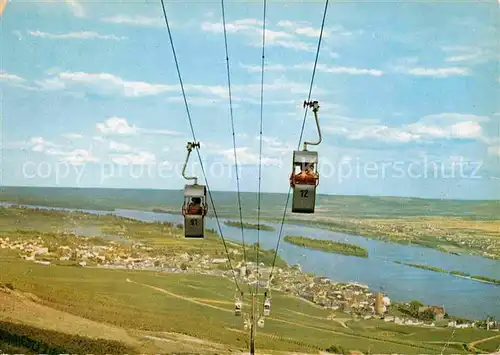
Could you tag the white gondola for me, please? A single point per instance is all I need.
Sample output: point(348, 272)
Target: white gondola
point(260, 322)
point(267, 306)
point(194, 208)
point(305, 177)
point(237, 307)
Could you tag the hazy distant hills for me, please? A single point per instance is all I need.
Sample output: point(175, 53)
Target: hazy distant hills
point(226, 203)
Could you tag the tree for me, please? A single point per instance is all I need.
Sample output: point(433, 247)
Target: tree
point(414, 306)
point(337, 349)
point(427, 315)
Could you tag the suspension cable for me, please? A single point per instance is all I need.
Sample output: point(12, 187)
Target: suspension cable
point(234, 134)
point(260, 136)
point(301, 134)
point(194, 138)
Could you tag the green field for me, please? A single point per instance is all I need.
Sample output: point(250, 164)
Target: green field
point(328, 246)
point(106, 297)
point(61, 307)
point(455, 226)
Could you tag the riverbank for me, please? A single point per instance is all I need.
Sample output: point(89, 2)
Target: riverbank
point(464, 227)
point(328, 246)
point(452, 235)
point(464, 275)
point(456, 273)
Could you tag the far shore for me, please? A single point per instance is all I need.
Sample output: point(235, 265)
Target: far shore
point(455, 273)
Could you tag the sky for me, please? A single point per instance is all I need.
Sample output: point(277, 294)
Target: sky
point(408, 95)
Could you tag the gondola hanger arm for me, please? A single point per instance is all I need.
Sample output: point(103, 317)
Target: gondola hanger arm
point(190, 147)
point(315, 107)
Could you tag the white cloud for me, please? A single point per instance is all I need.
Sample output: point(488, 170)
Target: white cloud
point(478, 53)
point(383, 133)
point(319, 67)
point(109, 84)
point(238, 25)
point(273, 146)
point(271, 141)
point(140, 21)
point(252, 29)
point(200, 101)
point(247, 157)
point(98, 139)
point(77, 157)
point(302, 28)
point(159, 131)
point(38, 144)
point(119, 147)
point(458, 117)
point(11, 78)
point(438, 72)
point(119, 126)
point(116, 125)
point(104, 83)
point(463, 57)
point(76, 8)
point(140, 158)
point(72, 135)
point(73, 157)
point(466, 129)
point(342, 70)
point(75, 35)
point(258, 68)
point(431, 127)
point(292, 44)
point(281, 86)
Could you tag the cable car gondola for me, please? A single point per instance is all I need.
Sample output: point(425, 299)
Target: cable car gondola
point(194, 208)
point(267, 303)
point(238, 303)
point(260, 323)
point(267, 307)
point(305, 177)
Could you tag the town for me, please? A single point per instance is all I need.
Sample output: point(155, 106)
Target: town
point(353, 299)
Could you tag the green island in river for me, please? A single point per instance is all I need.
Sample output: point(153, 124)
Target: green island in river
point(246, 225)
point(328, 245)
point(453, 272)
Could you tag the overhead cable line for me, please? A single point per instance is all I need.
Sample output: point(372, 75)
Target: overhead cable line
point(234, 134)
point(194, 138)
point(260, 136)
point(301, 134)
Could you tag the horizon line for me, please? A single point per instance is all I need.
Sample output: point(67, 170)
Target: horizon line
point(254, 192)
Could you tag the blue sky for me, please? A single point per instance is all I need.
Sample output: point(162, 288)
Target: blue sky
point(408, 95)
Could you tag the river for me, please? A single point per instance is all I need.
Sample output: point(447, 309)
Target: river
point(461, 297)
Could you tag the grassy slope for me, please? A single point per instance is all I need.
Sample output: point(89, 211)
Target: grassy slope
point(105, 296)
